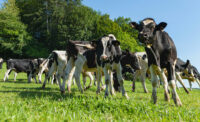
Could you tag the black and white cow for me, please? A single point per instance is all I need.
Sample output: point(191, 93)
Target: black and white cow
point(78, 62)
point(141, 73)
point(129, 63)
point(161, 53)
point(184, 70)
point(59, 63)
point(106, 56)
point(18, 65)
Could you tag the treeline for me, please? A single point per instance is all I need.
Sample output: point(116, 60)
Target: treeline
point(33, 28)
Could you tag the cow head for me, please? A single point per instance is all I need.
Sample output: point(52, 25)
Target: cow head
point(1, 63)
point(107, 48)
point(188, 69)
point(130, 59)
point(147, 30)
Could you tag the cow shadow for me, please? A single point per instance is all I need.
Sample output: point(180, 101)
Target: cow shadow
point(47, 93)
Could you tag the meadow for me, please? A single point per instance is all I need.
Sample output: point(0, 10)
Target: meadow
point(22, 101)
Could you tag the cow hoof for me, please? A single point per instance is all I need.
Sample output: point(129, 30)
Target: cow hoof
point(69, 89)
point(154, 96)
point(126, 96)
point(98, 92)
point(62, 92)
point(106, 95)
point(146, 91)
point(103, 87)
point(167, 98)
point(112, 93)
point(43, 86)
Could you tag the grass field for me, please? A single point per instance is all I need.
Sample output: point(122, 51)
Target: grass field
point(22, 101)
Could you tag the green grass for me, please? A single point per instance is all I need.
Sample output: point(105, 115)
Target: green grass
point(22, 101)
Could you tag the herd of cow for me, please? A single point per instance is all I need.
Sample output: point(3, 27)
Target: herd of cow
point(104, 57)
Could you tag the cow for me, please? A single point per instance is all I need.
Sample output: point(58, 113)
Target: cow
point(105, 56)
point(183, 69)
point(187, 71)
point(141, 73)
point(161, 53)
point(18, 65)
point(59, 63)
point(129, 63)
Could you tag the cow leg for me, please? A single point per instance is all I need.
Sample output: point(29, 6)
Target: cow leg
point(15, 76)
point(98, 76)
point(154, 82)
point(50, 73)
point(59, 80)
point(112, 92)
point(29, 75)
point(35, 78)
point(6, 75)
point(52, 79)
point(135, 76)
point(107, 80)
point(120, 79)
point(89, 74)
point(178, 77)
point(70, 79)
point(198, 82)
point(172, 84)
point(190, 83)
point(79, 66)
point(143, 78)
point(165, 84)
point(40, 74)
point(84, 80)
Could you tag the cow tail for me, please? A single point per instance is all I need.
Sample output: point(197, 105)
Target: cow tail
point(71, 50)
point(55, 57)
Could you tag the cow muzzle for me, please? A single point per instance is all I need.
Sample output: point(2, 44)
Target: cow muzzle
point(104, 57)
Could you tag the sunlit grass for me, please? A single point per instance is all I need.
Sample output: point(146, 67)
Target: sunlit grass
point(22, 101)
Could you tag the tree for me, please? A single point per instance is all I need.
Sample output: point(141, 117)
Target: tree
point(13, 35)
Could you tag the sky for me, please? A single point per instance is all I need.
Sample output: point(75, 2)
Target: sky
point(182, 16)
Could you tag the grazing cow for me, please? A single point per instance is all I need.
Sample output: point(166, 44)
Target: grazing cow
point(183, 69)
point(195, 78)
point(187, 71)
point(1, 63)
point(18, 65)
point(141, 73)
point(58, 65)
point(106, 56)
point(127, 59)
point(161, 53)
point(79, 60)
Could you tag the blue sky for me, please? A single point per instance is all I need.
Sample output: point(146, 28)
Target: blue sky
point(182, 16)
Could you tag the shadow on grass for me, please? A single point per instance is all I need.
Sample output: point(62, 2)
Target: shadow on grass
point(47, 93)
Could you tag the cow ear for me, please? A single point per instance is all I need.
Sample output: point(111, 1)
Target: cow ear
point(127, 52)
point(115, 43)
point(144, 56)
point(134, 25)
point(94, 43)
point(161, 26)
point(187, 63)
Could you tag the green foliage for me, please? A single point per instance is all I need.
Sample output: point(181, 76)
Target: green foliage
point(33, 28)
point(13, 35)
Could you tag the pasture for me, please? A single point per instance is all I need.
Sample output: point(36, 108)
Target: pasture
point(22, 101)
